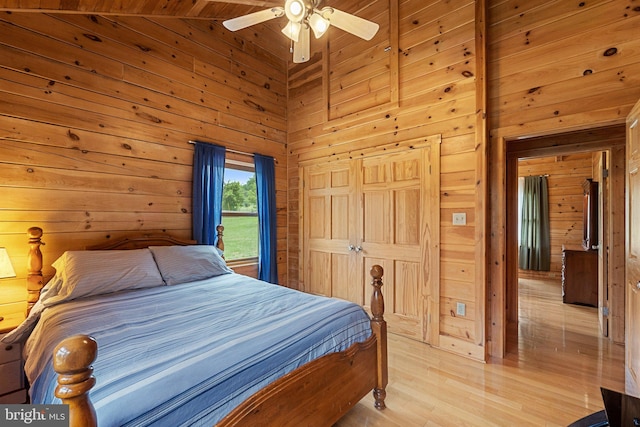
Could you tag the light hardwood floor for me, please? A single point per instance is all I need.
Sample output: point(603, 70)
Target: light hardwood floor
point(551, 375)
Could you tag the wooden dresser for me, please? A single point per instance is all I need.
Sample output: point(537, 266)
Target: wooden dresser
point(580, 277)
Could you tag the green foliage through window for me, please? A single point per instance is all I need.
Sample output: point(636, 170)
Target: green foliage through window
point(239, 197)
point(240, 214)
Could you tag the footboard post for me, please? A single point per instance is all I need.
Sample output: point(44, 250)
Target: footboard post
point(72, 360)
point(379, 327)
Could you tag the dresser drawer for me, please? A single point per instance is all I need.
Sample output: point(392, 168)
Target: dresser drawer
point(9, 352)
point(11, 374)
point(18, 396)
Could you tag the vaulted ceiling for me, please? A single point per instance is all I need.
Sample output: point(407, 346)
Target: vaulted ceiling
point(204, 9)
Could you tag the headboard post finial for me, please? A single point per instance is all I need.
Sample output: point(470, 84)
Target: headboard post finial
point(34, 267)
point(219, 241)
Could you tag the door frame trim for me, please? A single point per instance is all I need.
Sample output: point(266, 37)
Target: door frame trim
point(501, 271)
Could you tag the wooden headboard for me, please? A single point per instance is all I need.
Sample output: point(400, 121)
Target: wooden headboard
point(35, 282)
point(141, 241)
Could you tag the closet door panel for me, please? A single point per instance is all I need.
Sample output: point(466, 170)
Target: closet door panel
point(329, 229)
point(317, 225)
point(407, 205)
point(376, 217)
point(317, 268)
point(340, 209)
point(391, 227)
point(341, 267)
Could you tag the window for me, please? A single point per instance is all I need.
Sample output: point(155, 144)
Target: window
point(240, 212)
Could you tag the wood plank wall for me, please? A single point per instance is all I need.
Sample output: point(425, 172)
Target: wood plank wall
point(437, 86)
point(552, 67)
point(121, 106)
point(95, 118)
point(565, 177)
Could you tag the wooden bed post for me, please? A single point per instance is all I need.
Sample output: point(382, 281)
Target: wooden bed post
point(379, 327)
point(34, 267)
point(72, 360)
point(220, 242)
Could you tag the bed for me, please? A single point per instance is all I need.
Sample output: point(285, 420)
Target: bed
point(223, 350)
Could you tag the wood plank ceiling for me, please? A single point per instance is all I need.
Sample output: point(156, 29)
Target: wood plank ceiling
point(203, 9)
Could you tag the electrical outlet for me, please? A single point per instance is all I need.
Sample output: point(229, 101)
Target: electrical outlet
point(460, 218)
point(461, 309)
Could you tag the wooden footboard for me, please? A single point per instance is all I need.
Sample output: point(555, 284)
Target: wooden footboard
point(323, 390)
point(316, 394)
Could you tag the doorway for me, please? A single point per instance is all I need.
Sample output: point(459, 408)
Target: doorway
point(609, 140)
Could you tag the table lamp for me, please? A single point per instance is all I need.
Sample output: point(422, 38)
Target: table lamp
point(6, 269)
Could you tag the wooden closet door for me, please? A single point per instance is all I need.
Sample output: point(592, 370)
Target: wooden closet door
point(391, 234)
point(377, 210)
point(330, 221)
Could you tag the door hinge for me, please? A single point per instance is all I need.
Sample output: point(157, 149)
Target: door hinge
point(605, 173)
point(605, 311)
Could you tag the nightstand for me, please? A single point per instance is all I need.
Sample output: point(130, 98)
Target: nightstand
point(12, 386)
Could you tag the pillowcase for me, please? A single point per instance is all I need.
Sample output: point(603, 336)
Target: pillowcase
point(181, 264)
point(90, 273)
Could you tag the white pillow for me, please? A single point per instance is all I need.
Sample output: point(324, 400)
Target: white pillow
point(181, 264)
point(89, 273)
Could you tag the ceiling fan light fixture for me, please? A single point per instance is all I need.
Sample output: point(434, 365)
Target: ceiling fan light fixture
point(292, 30)
point(296, 10)
point(303, 16)
point(318, 24)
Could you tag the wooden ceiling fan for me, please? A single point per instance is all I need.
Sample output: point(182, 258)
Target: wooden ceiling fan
point(303, 16)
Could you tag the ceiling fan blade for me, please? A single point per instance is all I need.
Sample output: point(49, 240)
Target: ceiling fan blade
point(302, 48)
point(253, 18)
point(350, 23)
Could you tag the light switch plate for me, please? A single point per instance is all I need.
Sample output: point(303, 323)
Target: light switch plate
point(461, 309)
point(459, 218)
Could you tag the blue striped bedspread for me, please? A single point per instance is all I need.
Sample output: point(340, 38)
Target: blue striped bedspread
point(188, 354)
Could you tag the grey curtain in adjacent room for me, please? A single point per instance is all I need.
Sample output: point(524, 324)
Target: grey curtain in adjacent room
point(535, 253)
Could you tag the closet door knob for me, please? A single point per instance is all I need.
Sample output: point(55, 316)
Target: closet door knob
point(358, 249)
point(351, 248)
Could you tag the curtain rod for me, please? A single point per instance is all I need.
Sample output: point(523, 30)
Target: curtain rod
point(228, 149)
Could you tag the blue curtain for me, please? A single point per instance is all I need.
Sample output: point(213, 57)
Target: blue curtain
point(266, 188)
point(208, 179)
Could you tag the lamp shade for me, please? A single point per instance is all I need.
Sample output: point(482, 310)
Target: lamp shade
point(6, 269)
